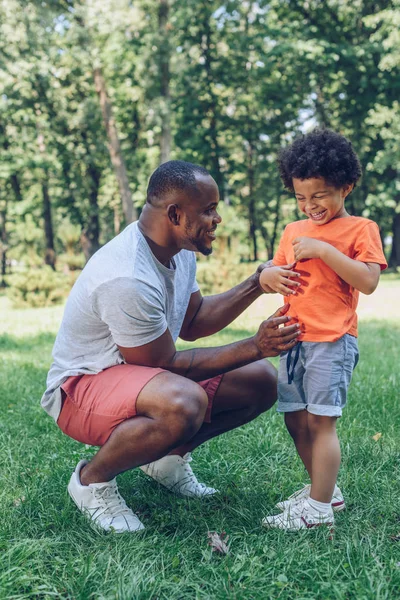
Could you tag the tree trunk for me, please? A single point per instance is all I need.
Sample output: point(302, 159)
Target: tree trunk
point(50, 255)
point(114, 147)
point(212, 108)
point(276, 223)
point(164, 60)
point(3, 244)
point(252, 202)
point(394, 260)
point(90, 234)
point(16, 187)
point(267, 240)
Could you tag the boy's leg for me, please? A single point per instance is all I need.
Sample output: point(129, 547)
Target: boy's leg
point(297, 426)
point(328, 370)
point(325, 456)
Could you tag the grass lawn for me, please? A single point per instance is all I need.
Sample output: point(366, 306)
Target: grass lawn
point(48, 550)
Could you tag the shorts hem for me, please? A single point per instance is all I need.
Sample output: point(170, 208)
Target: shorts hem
point(210, 386)
point(290, 407)
point(314, 409)
point(324, 411)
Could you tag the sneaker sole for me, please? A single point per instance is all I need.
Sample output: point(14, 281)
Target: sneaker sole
point(330, 524)
point(174, 488)
point(336, 506)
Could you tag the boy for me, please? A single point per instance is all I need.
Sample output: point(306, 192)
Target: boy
point(337, 257)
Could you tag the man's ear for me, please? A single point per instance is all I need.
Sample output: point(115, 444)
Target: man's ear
point(173, 213)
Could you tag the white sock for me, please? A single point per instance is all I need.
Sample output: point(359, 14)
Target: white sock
point(335, 491)
point(320, 507)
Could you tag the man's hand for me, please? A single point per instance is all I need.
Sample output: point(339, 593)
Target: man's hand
point(278, 279)
point(305, 247)
point(272, 339)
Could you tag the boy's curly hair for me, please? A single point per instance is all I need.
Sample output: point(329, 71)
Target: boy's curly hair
point(320, 153)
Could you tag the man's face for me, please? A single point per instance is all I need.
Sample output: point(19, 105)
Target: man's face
point(320, 201)
point(200, 218)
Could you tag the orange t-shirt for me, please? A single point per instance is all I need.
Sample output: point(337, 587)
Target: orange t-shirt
point(326, 305)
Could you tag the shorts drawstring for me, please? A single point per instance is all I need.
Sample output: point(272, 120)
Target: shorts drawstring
point(290, 373)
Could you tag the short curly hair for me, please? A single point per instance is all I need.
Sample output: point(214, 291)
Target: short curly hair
point(171, 176)
point(320, 153)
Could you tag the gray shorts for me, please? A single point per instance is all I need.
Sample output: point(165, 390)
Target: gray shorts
point(320, 377)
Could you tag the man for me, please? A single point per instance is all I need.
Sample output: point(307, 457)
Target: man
point(117, 380)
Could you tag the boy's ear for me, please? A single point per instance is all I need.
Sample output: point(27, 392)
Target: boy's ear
point(347, 189)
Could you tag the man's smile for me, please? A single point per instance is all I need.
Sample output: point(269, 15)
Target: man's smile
point(211, 233)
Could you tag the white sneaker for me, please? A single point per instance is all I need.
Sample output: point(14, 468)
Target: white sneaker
point(175, 473)
point(102, 503)
point(337, 502)
point(299, 516)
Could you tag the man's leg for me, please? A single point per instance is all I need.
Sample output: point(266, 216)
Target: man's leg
point(243, 394)
point(169, 411)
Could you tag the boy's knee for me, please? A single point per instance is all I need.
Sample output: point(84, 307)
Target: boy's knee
point(319, 423)
point(297, 424)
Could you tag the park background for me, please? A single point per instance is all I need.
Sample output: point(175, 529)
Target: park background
point(94, 96)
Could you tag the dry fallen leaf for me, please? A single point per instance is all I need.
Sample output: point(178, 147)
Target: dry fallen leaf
point(218, 542)
point(18, 501)
point(377, 436)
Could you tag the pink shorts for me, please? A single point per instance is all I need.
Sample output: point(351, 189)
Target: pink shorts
point(94, 405)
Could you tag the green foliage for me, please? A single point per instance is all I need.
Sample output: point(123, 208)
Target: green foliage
point(70, 262)
point(244, 79)
point(220, 274)
point(37, 287)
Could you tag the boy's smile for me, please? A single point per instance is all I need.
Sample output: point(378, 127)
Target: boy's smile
point(320, 201)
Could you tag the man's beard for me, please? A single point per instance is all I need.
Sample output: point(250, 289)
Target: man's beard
point(200, 246)
point(197, 242)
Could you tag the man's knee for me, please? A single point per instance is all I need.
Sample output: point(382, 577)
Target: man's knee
point(264, 385)
point(185, 407)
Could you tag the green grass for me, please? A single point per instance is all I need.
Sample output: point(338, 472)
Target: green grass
point(48, 550)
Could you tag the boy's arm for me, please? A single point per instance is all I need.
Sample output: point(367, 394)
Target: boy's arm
point(280, 279)
point(363, 276)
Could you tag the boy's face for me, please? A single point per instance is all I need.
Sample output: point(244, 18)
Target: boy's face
point(319, 201)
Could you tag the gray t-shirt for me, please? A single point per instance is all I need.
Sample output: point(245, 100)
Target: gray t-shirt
point(123, 296)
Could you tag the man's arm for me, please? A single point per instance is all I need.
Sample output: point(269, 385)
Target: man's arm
point(362, 276)
point(206, 316)
point(203, 363)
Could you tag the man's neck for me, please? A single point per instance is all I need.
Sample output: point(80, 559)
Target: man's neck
point(156, 236)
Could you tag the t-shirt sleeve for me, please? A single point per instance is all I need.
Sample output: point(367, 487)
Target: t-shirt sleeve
point(134, 313)
point(195, 287)
point(280, 256)
point(368, 246)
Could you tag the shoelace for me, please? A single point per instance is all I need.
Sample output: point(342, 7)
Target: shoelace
point(110, 497)
point(300, 493)
point(188, 469)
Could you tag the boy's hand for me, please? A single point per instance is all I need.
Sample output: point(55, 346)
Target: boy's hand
point(305, 247)
point(278, 279)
